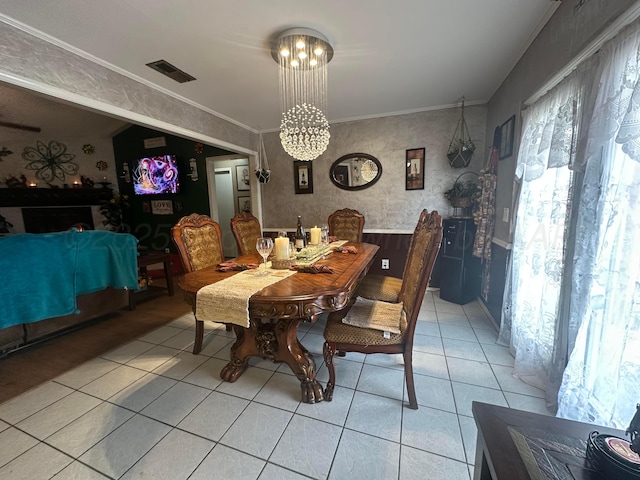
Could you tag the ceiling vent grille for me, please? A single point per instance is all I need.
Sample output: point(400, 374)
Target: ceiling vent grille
point(170, 71)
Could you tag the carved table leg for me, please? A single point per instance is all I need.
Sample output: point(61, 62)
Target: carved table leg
point(278, 341)
point(299, 360)
point(239, 358)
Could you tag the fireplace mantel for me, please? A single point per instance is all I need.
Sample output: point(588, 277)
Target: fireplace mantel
point(43, 197)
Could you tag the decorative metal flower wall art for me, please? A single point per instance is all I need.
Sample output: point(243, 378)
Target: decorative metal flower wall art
point(50, 161)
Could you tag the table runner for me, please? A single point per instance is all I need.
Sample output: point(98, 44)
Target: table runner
point(227, 301)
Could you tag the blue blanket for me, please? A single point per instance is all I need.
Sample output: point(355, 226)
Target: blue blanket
point(43, 273)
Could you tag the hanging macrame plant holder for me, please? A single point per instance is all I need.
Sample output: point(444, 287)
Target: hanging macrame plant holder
point(262, 166)
point(461, 147)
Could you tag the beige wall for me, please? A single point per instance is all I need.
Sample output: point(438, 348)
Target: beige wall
point(386, 205)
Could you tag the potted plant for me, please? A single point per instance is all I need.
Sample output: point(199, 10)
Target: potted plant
point(463, 194)
point(114, 212)
point(461, 147)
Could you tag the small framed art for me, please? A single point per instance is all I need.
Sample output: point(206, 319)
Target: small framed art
point(303, 177)
point(414, 179)
point(242, 177)
point(506, 137)
point(244, 204)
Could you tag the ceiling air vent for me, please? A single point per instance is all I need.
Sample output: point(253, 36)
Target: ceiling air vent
point(170, 71)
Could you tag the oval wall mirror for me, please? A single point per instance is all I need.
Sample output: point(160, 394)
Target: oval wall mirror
point(355, 171)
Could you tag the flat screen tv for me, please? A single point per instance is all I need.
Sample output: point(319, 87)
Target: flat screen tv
point(155, 175)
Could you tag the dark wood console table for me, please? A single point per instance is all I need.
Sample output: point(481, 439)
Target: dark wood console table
point(144, 260)
point(517, 445)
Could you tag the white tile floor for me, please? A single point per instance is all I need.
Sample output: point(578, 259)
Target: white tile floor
point(150, 409)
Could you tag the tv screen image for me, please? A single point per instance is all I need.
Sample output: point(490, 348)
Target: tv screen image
point(155, 175)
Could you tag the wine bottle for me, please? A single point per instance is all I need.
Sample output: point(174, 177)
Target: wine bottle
point(299, 236)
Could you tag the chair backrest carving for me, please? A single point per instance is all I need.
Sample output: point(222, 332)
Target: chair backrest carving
point(199, 242)
point(346, 224)
point(246, 230)
point(423, 249)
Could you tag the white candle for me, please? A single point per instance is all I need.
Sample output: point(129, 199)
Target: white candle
point(282, 248)
point(315, 236)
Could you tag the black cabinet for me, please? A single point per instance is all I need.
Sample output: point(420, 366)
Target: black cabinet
point(459, 270)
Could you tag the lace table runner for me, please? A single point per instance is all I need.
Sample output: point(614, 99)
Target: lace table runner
point(227, 301)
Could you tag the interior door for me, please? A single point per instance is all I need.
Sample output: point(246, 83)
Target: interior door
point(226, 209)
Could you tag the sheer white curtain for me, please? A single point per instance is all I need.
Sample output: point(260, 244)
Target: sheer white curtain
point(532, 298)
point(601, 383)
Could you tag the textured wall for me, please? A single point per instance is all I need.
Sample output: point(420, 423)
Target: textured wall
point(386, 205)
point(30, 59)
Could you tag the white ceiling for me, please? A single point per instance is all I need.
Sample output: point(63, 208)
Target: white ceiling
point(391, 56)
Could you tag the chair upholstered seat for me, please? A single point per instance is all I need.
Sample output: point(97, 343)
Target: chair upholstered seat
point(346, 224)
point(380, 287)
point(339, 332)
point(246, 230)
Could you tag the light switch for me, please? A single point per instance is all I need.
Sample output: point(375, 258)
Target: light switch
point(505, 215)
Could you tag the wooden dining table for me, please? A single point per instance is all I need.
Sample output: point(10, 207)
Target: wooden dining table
point(276, 311)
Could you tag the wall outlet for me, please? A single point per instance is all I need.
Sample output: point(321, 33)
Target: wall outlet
point(385, 264)
point(505, 215)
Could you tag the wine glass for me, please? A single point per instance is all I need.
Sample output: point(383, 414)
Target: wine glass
point(324, 234)
point(324, 239)
point(264, 245)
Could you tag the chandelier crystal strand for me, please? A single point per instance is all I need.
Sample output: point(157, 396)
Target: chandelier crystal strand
point(302, 55)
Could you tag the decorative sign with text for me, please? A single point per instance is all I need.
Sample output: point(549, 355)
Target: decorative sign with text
point(161, 207)
point(154, 142)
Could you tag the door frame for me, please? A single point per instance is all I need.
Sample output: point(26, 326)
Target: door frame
point(254, 186)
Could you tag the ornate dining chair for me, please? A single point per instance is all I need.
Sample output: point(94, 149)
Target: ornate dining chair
point(346, 224)
point(382, 287)
point(246, 230)
point(343, 337)
point(199, 242)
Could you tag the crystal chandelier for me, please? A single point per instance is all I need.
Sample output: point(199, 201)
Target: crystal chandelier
point(302, 55)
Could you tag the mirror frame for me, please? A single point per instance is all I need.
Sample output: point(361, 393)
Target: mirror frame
point(348, 157)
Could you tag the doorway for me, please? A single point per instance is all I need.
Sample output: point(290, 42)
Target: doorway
point(226, 209)
point(229, 193)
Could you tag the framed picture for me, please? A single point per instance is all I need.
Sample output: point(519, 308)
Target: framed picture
point(506, 137)
point(244, 204)
point(414, 178)
point(242, 177)
point(162, 207)
point(303, 176)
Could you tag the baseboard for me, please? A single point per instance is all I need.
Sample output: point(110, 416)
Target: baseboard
point(484, 307)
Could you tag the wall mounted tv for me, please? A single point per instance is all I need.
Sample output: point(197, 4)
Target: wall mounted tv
point(155, 175)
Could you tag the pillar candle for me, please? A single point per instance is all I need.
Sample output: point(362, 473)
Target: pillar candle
point(282, 248)
point(315, 236)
